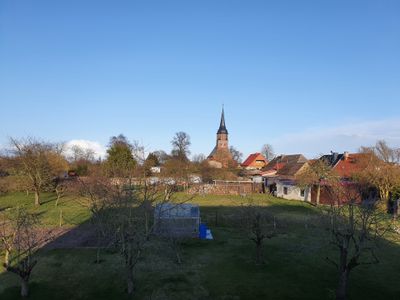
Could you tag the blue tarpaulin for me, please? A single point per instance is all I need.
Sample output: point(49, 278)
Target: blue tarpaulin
point(203, 231)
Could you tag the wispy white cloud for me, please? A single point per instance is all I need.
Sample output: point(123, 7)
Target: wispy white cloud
point(100, 150)
point(346, 137)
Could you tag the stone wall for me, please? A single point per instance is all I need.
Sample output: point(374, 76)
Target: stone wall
point(230, 188)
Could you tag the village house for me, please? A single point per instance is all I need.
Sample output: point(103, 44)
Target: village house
point(279, 177)
point(252, 167)
point(345, 166)
point(255, 161)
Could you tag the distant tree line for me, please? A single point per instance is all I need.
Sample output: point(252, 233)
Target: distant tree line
point(36, 166)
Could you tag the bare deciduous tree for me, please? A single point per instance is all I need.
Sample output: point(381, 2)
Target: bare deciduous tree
point(130, 235)
point(97, 194)
point(316, 174)
point(381, 170)
point(180, 145)
point(79, 153)
point(122, 213)
point(60, 187)
point(268, 151)
point(236, 154)
point(81, 159)
point(20, 240)
point(199, 158)
point(355, 230)
point(259, 225)
point(38, 162)
point(386, 153)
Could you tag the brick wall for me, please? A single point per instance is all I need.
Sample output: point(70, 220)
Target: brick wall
point(329, 197)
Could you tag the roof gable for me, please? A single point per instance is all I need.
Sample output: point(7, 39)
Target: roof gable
point(286, 165)
point(252, 158)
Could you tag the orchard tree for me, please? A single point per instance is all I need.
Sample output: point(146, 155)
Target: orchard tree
point(130, 236)
point(355, 231)
point(381, 170)
point(316, 174)
point(122, 217)
point(97, 193)
point(38, 163)
point(20, 239)
point(259, 226)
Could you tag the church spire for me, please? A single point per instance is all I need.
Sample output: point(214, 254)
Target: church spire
point(222, 127)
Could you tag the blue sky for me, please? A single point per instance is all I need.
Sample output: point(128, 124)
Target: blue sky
point(306, 76)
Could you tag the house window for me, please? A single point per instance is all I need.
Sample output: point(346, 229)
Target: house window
point(285, 190)
point(302, 192)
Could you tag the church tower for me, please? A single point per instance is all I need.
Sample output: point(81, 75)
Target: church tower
point(221, 157)
point(222, 134)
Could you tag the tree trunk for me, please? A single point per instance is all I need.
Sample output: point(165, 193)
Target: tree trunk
point(6, 257)
point(24, 288)
point(178, 257)
point(341, 291)
point(146, 217)
point(58, 197)
point(258, 254)
point(98, 255)
point(318, 193)
point(37, 197)
point(61, 217)
point(130, 282)
point(395, 209)
point(384, 202)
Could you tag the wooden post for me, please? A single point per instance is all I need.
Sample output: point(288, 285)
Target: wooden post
point(61, 217)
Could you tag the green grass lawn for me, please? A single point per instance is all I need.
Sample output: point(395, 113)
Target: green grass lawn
point(72, 210)
point(295, 265)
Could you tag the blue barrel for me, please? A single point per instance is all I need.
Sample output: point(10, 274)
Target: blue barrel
point(202, 231)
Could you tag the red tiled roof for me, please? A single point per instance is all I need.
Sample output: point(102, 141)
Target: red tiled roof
point(346, 167)
point(252, 158)
point(285, 165)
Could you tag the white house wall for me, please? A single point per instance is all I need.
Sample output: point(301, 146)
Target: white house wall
point(293, 192)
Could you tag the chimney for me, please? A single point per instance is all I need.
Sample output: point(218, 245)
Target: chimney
point(334, 156)
point(345, 155)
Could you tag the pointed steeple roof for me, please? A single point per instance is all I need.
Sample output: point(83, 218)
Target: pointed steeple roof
point(222, 128)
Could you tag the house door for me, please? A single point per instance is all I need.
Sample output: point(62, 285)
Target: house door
point(273, 189)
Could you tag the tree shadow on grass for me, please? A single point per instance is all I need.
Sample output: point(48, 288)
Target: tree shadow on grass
point(220, 269)
point(48, 290)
